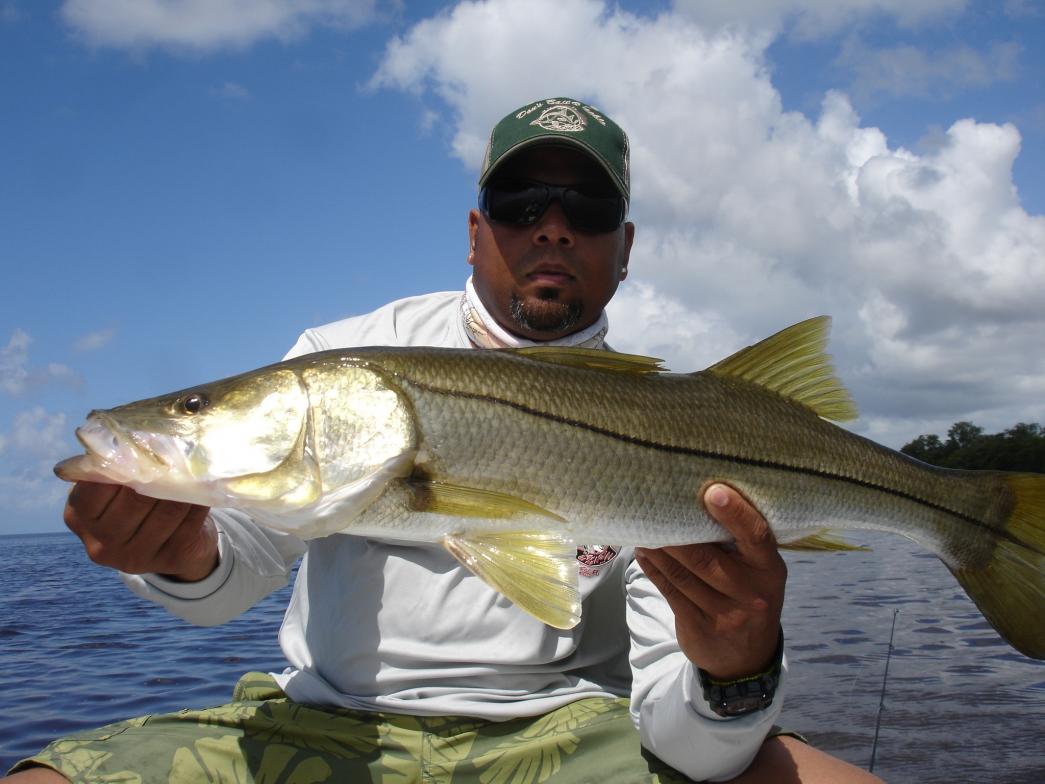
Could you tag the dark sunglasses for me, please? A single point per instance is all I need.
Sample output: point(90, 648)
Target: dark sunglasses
point(523, 202)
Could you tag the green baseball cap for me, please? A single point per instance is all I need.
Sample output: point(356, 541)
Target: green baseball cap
point(561, 121)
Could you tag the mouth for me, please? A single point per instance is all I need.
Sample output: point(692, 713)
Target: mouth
point(106, 459)
point(550, 275)
point(101, 438)
point(123, 454)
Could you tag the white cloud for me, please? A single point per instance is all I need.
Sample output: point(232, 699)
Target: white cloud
point(56, 372)
point(1023, 9)
point(812, 18)
point(13, 359)
point(907, 70)
point(16, 376)
point(207, 24)
point(37, 432)
point(37, 440)
point(753, 218)
point(93, 341)
point(233, 91)
point(33, 487)
point(647, 322)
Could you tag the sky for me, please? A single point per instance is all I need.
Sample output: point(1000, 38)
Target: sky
point(186, 185)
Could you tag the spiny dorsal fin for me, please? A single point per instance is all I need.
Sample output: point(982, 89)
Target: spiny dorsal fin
point(794, 363)
point(591, 359)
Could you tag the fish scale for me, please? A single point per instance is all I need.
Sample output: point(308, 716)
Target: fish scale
point(655, 473)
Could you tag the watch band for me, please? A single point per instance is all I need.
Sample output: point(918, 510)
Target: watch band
point(743, 695)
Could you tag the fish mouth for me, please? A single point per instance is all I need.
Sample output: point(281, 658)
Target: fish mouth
point(124, 454)
point(99, 436)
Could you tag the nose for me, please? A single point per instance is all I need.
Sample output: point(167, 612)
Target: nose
point(553, 228)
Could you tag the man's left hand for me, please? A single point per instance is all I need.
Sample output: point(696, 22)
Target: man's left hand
point(727, 600)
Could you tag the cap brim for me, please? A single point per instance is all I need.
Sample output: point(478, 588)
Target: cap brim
point(555, 140)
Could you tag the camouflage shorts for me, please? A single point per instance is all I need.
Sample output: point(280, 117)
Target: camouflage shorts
point(264, 737)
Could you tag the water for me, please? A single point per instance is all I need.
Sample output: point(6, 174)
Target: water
point(959, 704)
point(78, 650)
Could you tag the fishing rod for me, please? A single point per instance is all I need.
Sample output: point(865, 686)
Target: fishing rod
point(881, 699)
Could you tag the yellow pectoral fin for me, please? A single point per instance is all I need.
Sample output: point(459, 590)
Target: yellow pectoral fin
point(458, 501)
point(535, 570)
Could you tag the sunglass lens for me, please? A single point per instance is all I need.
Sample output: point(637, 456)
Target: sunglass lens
point(523, 203)
point(515, 203)
point(593, 212)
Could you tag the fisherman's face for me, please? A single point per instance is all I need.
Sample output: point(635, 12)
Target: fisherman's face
point(547, 279)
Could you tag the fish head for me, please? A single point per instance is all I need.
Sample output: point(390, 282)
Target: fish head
point(230, 442)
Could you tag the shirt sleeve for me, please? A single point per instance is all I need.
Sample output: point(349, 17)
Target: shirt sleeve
point(252, 563)
point(668, 707)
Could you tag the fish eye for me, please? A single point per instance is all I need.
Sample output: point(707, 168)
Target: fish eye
point(194, 403)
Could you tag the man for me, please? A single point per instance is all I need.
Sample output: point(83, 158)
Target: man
point(405, 666)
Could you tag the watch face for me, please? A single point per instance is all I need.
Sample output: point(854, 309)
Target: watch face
point(737, 699)
point(747, 695)
point(738, 706)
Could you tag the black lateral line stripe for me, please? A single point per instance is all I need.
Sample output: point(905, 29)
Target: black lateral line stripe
point(750, 461)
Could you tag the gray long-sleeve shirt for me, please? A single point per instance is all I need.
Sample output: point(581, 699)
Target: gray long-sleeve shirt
point(400, 627)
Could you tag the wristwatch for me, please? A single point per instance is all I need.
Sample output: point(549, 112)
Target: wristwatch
point(743, 695)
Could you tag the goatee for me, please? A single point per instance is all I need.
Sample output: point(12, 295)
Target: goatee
point(546, 312)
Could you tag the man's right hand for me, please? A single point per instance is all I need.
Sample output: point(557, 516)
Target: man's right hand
point(133, 533)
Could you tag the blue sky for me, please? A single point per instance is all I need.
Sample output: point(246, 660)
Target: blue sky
point(188, 185)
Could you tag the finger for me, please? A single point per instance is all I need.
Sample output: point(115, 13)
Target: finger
point(754, 538)
point(106, 535)
point(88, 500)
point(720, 570)
point(122, 518)
point(186, 541)
point(87, 513)
point(159, 526)
point(192, 552)
point(683, 589)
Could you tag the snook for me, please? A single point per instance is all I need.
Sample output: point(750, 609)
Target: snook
point(510, 457)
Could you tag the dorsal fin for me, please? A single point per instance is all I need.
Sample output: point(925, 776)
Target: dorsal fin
point(794, 363)
point(591, 359)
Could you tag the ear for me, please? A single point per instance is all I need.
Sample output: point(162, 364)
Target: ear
point(473, 234)
point(629, 238)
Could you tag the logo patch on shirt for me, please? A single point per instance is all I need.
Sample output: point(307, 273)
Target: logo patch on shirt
point(592, 557)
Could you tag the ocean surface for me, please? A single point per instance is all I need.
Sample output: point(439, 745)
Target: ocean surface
point(956, 704)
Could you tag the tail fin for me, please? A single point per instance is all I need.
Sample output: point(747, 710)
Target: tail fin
point(1010, 588)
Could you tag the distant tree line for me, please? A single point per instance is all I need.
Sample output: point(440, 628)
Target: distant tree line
point(1020, 448)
